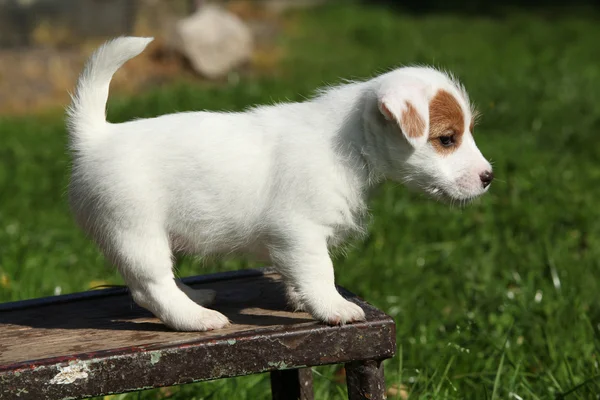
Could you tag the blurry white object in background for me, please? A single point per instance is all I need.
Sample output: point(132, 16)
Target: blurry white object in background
point(214, 40)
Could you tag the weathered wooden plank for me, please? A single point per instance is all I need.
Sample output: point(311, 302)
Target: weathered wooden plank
point(89, 345)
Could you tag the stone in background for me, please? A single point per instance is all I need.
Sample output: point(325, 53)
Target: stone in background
point(214, 40)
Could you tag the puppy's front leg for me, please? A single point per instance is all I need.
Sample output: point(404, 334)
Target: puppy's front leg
point(304, 262)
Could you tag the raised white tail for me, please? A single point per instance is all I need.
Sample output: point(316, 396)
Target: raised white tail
point(86, 116)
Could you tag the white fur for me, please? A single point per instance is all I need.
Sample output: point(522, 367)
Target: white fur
point(287, 180)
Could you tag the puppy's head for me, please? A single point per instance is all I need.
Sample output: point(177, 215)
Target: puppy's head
point(427, 124)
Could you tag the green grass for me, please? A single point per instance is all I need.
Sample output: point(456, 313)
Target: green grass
point(498, 300)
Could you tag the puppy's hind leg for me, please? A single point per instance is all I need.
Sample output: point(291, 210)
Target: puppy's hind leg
point(294, 299)
point(144, 259)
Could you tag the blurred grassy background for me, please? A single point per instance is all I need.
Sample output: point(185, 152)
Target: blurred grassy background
point(498, 300)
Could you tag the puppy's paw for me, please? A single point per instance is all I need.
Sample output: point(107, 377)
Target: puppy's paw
point(340, 312)
point(212, 320)
point(200, 321)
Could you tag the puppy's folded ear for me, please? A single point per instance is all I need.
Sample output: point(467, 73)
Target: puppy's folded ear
point(404, 102)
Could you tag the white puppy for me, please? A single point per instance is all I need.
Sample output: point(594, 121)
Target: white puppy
point(287, 180)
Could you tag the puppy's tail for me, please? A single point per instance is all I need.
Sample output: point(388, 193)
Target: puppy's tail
point(86, 116)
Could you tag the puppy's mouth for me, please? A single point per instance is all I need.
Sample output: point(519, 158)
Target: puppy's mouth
point(440, 194)
point(445, 196)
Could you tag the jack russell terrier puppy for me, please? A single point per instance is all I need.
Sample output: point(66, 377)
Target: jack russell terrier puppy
point(286, 180)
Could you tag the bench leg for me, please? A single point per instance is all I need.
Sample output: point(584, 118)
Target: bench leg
point(292, 384)
point(365, 380)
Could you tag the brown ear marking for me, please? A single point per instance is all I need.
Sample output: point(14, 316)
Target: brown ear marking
point(446, 117)
point(413, 124)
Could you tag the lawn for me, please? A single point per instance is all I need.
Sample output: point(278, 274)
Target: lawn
point(498, 300)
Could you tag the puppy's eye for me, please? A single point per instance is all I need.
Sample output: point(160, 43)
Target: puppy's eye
point(447, 141)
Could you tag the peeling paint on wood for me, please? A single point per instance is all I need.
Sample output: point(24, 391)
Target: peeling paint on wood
point(155, 357)
point(70, 374)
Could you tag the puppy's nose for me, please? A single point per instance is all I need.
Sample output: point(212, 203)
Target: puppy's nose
point(486, 178)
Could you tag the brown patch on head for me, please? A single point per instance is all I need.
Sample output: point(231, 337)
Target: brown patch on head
point(446, 118)
point(413, 124)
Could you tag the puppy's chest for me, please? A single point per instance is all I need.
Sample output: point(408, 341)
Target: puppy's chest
point(351, 223)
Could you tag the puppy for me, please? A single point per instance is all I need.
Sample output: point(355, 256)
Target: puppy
point(286, 180)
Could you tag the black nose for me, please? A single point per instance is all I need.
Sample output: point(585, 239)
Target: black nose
point(486, 178)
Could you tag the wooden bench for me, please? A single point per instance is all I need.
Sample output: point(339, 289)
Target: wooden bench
point(99, 342)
